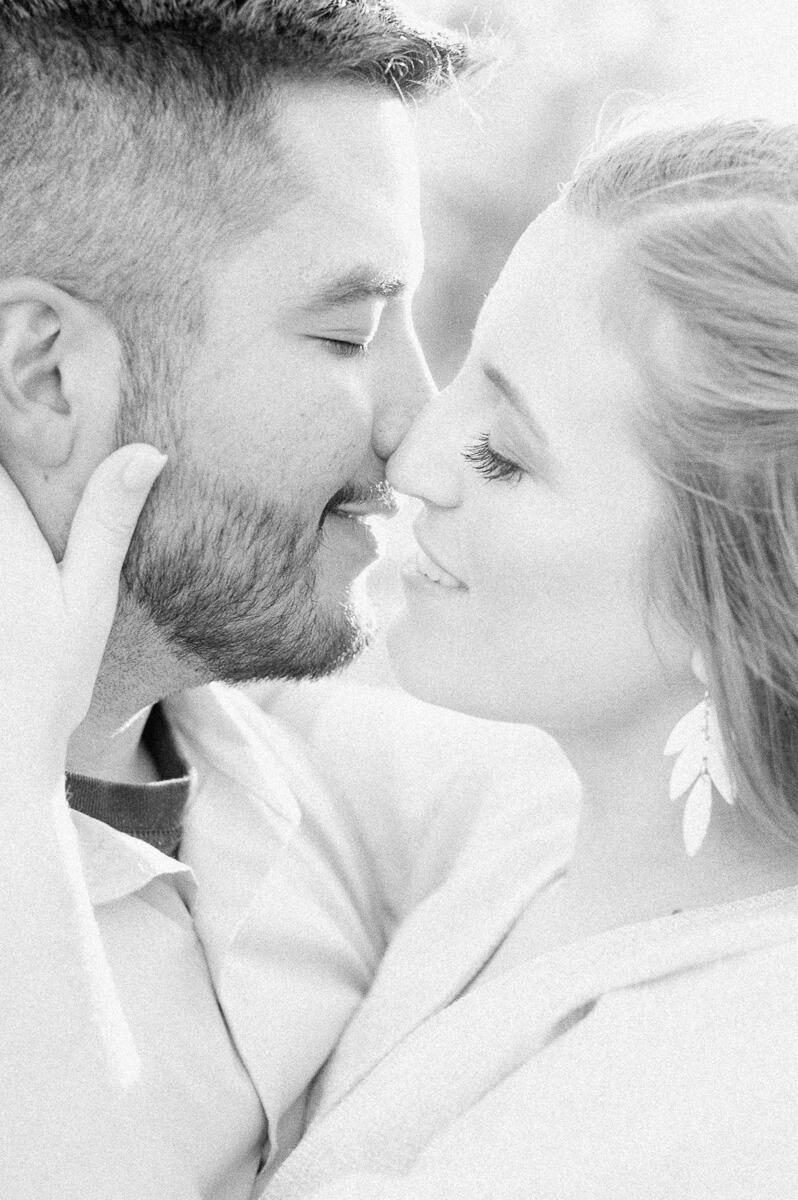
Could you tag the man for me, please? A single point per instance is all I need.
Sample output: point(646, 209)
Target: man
point(210, 242)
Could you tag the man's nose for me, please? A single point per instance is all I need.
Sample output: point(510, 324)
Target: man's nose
point(405, 392)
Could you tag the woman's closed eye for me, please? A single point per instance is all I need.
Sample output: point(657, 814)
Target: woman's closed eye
point(484, 459)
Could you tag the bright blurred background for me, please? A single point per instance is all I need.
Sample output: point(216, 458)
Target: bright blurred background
point(494, 151)
point(493, 155)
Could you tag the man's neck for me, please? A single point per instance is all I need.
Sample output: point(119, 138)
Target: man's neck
point(114, 754)
point(139, 668)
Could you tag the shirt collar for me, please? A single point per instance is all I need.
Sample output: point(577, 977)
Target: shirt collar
point(116, 865)
point(217, 732)
point(219, 729)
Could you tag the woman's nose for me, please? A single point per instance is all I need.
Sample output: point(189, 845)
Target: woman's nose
point(425, 463)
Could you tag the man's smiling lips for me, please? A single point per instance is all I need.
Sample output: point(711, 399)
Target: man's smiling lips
point(353, 504)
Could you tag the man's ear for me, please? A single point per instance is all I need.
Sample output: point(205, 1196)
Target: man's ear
point(59, 396)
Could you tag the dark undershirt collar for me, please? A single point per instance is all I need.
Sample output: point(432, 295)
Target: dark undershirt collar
point(150, 811)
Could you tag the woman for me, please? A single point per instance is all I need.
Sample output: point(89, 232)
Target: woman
point(608, 543)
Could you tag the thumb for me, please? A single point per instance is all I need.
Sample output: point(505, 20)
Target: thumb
point(98, 542)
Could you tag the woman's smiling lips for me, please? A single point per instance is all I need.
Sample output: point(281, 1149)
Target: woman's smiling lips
point(425, 571)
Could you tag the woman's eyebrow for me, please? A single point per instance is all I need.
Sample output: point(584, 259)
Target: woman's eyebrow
point(515, 396)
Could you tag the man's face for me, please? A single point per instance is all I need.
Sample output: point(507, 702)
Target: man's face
point(306, 378)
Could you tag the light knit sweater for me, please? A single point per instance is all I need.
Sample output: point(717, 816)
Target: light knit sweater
point(658, 1061)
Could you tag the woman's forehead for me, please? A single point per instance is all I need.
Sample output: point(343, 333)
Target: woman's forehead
point(552, 285)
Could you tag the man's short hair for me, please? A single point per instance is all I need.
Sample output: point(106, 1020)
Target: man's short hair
point(132, 133)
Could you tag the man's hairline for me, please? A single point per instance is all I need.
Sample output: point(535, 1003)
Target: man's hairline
point(291, 186)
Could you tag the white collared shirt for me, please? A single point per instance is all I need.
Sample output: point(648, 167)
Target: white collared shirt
point(239, 967)
point(195, 1084)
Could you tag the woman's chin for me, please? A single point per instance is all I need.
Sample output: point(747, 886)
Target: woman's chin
point(418, 669)
point(448, 675)
point(429, 670)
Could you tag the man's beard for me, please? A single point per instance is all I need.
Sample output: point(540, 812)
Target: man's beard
point(230, 581)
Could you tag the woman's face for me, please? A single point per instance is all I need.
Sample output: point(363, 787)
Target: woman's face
point(540, 507)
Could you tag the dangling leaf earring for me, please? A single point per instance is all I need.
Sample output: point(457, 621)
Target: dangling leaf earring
point(701, 764)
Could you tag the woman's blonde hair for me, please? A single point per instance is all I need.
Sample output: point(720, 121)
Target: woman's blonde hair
point(706, 213)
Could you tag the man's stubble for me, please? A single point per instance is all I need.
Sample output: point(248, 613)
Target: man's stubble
point(228, 577)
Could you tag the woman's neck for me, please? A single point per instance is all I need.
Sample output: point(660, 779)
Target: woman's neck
point(630, 862)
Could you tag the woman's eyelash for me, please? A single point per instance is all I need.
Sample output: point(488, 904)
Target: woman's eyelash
point(490, 464)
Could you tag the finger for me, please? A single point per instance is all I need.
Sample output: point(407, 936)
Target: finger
point(99, 538)
point(18, 528)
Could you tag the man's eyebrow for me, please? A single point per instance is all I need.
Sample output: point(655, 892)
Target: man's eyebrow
point(360, 284)
point(514, 395)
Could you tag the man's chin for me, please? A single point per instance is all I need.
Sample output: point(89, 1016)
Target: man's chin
point(321, 648)
point(255, 599)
